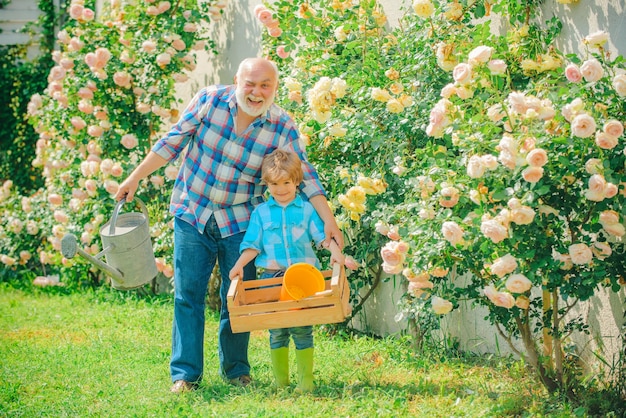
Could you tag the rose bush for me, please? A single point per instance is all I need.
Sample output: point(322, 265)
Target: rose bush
point(495, 155)
point(109, 95)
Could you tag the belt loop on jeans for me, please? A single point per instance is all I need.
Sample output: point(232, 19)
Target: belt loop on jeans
point(274, 273)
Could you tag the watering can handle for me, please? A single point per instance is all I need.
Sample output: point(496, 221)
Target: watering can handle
point(116, 212)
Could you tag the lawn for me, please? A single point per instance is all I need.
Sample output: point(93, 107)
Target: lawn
point(105, 354)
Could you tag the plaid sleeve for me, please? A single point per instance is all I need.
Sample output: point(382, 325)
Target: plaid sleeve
point(174, 142)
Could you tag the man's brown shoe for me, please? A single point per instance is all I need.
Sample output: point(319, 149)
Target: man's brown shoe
point(242, 381)
point(181, 386)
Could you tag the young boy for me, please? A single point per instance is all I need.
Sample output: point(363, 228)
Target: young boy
point(280, 233)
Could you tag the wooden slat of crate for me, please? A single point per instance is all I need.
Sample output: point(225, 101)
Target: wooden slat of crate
point(254, 304)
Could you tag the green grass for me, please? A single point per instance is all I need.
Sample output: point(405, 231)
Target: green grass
point(106, 354)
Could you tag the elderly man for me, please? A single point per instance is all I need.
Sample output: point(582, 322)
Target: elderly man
point(225, 131)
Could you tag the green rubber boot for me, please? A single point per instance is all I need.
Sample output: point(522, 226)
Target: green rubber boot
point(280, 365)
point(304, 360)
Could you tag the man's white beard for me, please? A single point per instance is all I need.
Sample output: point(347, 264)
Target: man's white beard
point(243, 104)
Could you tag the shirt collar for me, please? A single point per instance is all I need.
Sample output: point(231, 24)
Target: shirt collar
point(295, 202)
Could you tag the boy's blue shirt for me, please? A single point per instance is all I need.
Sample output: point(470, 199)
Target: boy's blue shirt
point(284, 235)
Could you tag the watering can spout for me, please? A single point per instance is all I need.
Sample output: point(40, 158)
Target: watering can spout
point(69, 248)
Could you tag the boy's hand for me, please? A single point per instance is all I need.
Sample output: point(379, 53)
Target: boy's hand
point(236, 272)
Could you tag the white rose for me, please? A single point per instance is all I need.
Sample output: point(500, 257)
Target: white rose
point(423, 8)
point(440, 306)
point(480, 54)
point(592, 70)
point(596, 39)
point(580, 253)
point(583, 126)
point(619, 84)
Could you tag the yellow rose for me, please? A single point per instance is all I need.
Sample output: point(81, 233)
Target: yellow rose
point(394, 106)
point(423, 8)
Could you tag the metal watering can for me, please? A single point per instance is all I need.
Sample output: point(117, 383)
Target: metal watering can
point(127, 248)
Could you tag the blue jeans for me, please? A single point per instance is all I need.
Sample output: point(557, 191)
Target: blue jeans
point(302, 336)
point(195, 255)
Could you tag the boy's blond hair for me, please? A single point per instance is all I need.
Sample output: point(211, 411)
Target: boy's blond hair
point(281, 164)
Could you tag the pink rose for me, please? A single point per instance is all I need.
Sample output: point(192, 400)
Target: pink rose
point(537, 157)
point(495, 113)
point(573, 74)
point(85, 93)
point(148, 46)
point(179, 44)
point(190, 27)
point(580, 253)
point(614, 128)
point(55, 199)
point(127, 57)
point(392, 269)
point(610, 190)
point(390, 256)
point(532, 174)
point(518, 283)
point(76, 11)
point(523, 215)
point(280, 51)
point(78, 123)
point(489, 161)
point(452, 232)
point(592, 70)
point(583, 126)
point(129, 141)
point(163, 59)
point(421, 284)
point(522, 302)
point(605, 141)
point(494, 230)
point(449, 197)
point(597, 185)
point(517, 102)
point(88, 15)
point(157, 181)
point(275, 32)
point(497, 67)
point(616, 229)
point(503, 265)
point(501, 299)
point(111, 186)
point(462, 73)
point(95, 131)
point(601, 250)
point(564, 259)
point(122, 79)
point(439, 272)
point(117, 170)
point(265, 16)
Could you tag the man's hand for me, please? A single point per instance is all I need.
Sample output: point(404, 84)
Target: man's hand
point(333, 233)
point(127, 190)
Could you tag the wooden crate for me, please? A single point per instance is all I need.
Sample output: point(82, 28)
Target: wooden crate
point(254, 304)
